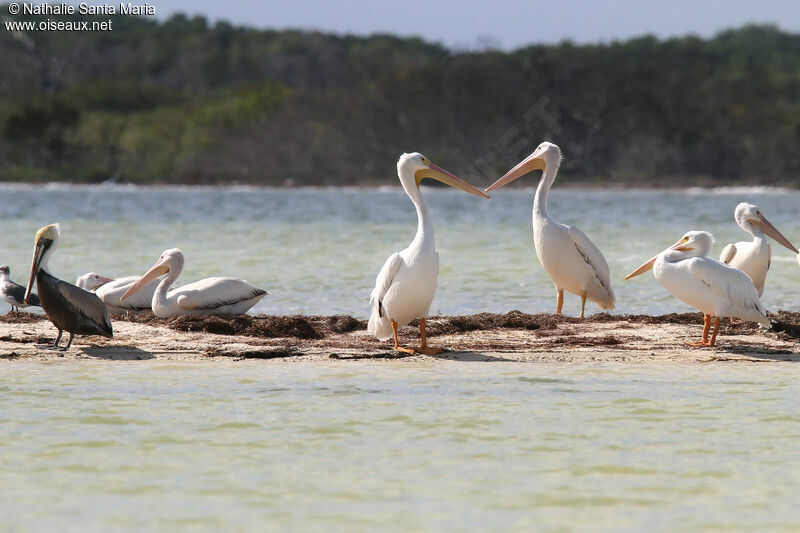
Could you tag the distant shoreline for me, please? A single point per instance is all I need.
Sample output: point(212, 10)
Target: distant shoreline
point(588, 186)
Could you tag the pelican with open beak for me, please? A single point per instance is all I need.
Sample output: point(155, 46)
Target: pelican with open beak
point(753, 257)
point(716, 289)
point(407, 281)
point(68, 307)
point(568, 256)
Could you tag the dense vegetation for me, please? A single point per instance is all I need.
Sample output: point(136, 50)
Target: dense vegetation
point(185, 101)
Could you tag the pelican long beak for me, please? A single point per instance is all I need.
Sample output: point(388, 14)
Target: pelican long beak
point(155, 271)
point(642, 269)
point(649, 264)
point(529, 164)
point(767, 227)
point(38, 252)
point(448, 178)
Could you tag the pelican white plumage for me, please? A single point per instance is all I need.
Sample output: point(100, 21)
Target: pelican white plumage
point(407, 281)
point(753, 257)
point(714, 288)
point(210, 296)
point(110, 291)
point(571, 260)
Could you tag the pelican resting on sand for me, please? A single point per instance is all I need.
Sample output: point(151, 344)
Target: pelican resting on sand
point(571, 260)
point(407, 281)
point(714, 288)
point(110, 291)
point(210, 296)
point(68, 307)
point(13, 293)
point(753, 257)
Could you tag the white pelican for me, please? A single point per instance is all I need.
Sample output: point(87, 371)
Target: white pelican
point(714, 288)
point(571, 260)
point(406, 283)
point(210, 296)
point(753, 257)
point(110, 290)
point(68, 307)
point(13, 293)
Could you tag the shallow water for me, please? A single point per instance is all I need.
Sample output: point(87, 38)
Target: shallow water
point(93, 445)
point(317, 251)
point(352, 446)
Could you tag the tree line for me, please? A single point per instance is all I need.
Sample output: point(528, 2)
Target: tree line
point(186, 101)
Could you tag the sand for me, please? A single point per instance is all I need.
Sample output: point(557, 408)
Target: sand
point(483, 337)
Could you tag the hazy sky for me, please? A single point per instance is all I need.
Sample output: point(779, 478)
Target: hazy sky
point(508, 23)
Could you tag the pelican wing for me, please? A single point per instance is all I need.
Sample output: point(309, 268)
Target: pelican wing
point(384, 281)
point(213, 293)
point(728, 282)
point(728, 254)
point(85, 302)
point(593, 257)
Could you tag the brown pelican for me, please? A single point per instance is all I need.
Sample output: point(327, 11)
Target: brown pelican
point(68, 307)
point(210, 296)
point(13, 293)
point(110, 290)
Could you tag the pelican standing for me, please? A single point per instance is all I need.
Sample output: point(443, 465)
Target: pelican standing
point(407, 281)
point(753, 257)
point(110, 291)
point(210, 296)
point(714, 288)
point(13, 293)
point(571, 260)
point(68, 307)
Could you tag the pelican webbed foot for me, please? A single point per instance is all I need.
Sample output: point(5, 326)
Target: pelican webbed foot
point(706, 327)
point(429, 350)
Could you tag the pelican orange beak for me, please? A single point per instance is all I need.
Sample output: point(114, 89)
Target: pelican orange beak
point(649, 264)
point(159, 269)
point(766, 226)
point(448, 178)
point(529, 164)
point(642, 269)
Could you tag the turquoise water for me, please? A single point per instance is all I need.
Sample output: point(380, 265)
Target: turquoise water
point(353, 446)
point(317, 251)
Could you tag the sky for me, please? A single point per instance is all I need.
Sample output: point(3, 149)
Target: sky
point(503, 24)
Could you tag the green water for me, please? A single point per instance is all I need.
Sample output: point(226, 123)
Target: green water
point(356, 446)
point(444, 446)
point(317, 251)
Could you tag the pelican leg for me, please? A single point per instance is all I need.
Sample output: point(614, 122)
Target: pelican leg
point(397, 342)
point(559, 300)
point(55, 345)
point(716, 330)
point(424, 348)
point(583, 304)
point(706, 327)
